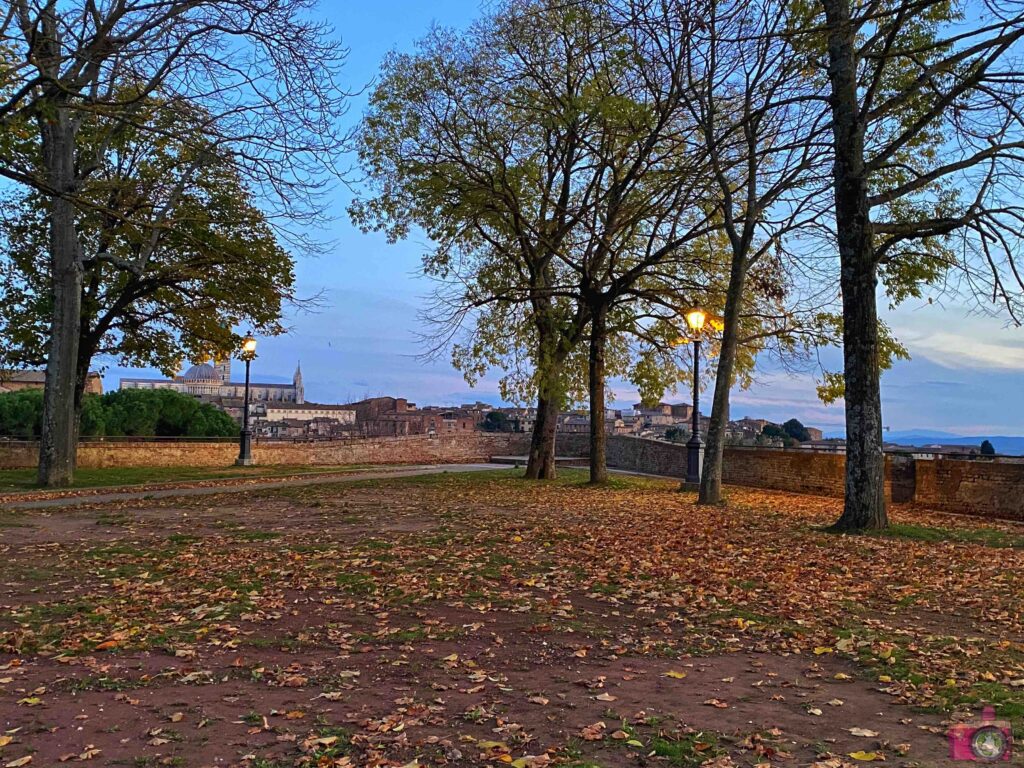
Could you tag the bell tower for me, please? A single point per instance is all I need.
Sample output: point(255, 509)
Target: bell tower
point(222, 365)
point(300, 393)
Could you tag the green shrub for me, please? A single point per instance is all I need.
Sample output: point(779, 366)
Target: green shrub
point(129, 412)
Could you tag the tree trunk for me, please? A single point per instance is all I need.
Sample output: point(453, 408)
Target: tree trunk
point(57, 445)
point(864, 505)
point(711, 477)
point(596, 370)
point(541, 463)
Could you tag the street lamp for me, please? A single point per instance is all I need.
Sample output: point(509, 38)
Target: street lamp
point(245, 444)
point(694, 447)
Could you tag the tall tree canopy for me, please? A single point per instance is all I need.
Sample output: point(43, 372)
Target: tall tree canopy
point(175, 255)
point(547, 156)
point(259, 76)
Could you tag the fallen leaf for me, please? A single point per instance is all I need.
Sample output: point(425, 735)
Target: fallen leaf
point(675, 674)
point(866, 757)
point(863, 732)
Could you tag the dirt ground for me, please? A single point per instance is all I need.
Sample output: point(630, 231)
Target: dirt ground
point(484, 620)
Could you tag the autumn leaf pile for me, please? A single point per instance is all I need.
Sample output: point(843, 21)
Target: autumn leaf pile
point(281, 590)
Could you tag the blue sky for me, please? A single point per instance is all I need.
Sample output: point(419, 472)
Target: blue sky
point(964, 377)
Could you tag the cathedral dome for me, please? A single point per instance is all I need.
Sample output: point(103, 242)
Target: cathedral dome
point(201, 372)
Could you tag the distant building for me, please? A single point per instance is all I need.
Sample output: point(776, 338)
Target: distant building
point(277, 411)
point(212, 381)
point(573, 423)
point(659, 415)
point(18, 381)
point(682, 411)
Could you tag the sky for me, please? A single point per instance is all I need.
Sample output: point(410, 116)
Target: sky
point(964, 376)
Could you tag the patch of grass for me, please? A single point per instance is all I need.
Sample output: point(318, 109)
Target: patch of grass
point(25, 479)
point(182, 538)
point(355, 583)
point(256, 535)
point(341, 745)
point(686, 750)
point(986, 537)
point(99, 684)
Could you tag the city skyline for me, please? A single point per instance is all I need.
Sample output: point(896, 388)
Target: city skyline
point(363, 339)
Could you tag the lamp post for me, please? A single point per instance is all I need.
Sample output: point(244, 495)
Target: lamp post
point(245, 443)
point(694, 446)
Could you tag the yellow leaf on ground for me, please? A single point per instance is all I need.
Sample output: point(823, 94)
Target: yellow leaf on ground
point(676, 674)
point(866, 757)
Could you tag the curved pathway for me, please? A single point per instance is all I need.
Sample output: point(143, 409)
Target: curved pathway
point(232, 486)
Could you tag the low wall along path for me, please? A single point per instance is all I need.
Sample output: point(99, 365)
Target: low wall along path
point(981, 487)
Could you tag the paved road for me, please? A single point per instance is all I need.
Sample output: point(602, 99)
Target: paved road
point(228, 487)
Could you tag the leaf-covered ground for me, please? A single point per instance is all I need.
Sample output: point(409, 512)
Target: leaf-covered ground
point(485, 620)
point(22, 484)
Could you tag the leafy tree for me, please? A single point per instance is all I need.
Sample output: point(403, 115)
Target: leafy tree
point(259, 75)
point(987, 449)
point(796, 430)
point(21, 413)
point(545, 154)
point(775, 432)
point(676, 435)
point(163, 413)
point(175, 254)
point(496, 421)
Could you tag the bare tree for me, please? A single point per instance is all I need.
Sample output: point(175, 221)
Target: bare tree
point(761, 125)
point(927, 130)
point(260, 73)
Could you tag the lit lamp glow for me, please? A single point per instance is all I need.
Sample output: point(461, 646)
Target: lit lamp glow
point(248, 354)
point(695, 319)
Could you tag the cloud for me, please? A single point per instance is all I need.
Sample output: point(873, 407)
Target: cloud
point(957, 351)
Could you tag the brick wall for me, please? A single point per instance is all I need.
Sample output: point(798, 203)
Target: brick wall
point(416, 449)
point(986, 488)
point(971, 487)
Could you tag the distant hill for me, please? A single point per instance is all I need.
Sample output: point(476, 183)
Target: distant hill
point(1009, 445)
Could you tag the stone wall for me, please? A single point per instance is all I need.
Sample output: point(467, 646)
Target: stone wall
point(972, 487)
point(416, 449)
point(979, 487)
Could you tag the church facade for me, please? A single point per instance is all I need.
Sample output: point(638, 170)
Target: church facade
point(212, 381)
